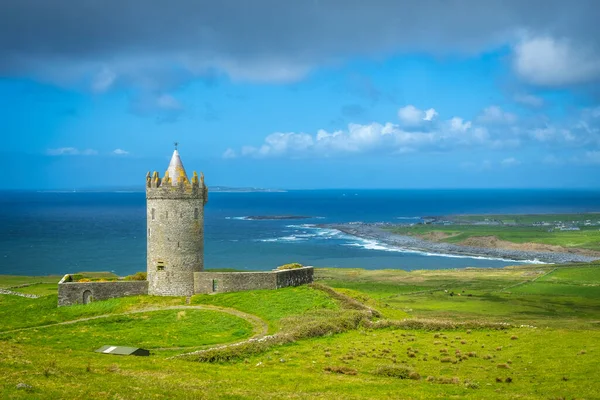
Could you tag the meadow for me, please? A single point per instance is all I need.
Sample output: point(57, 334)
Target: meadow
point(587, 238)
point(527, 332)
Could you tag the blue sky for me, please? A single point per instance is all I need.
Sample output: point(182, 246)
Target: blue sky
point(321, 94)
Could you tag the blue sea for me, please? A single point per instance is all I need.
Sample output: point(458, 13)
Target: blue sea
point(57, 232)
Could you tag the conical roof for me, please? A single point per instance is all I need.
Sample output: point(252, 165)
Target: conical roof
point(176, 169)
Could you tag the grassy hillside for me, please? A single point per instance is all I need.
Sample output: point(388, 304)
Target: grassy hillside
point(587, 238)
point(527, 332)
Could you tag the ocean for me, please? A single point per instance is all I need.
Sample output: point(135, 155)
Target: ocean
point(45, 233)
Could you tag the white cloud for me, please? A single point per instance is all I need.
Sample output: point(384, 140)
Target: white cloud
point(495, 115)
point(592, 157)
point(529, 100)
point(168, 102)
point(493, 129)
point(457, 124)
point(70, 151)
point(120, 152)
point(229, 153)
point(430, 114)
point(510, 162)
point(103, 80)
point(546, 61)
point(412, 116)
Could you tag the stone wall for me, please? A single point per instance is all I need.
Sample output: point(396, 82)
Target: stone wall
point(220, 282)
point(70, 293)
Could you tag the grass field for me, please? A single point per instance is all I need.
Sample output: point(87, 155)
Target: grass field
point(587, 238)
point(416, 349)
point(526, 219)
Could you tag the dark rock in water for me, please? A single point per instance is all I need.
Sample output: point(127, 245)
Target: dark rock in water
point(265, 217)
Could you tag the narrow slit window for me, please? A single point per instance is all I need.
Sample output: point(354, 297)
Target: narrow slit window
point(149, 232)
point(196, 213)
point(166, 215)
point(152, 212)
point(215, 285)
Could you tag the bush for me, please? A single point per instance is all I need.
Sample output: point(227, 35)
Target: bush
point(289, 266)
point(396, 371)
point(340, 370)
point(138, 276)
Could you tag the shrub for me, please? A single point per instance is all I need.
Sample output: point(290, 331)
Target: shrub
point(289, 266)
point(395, 371)
point(340, 370)
point(138, 276)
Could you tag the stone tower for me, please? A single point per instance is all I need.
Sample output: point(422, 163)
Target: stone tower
point(175, 222)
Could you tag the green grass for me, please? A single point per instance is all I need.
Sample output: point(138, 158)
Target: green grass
point(8, 281)
point(587, 238)
point(172, 328)
point(39, 289)
point(18, 312)
point(543, 364)
point(529, 218)
point(575, 275)
point(271, 305)
point(557, 359)
point(499, 295)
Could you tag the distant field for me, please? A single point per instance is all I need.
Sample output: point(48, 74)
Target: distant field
point(587, 238)
point(415, 349)
point(529, 218)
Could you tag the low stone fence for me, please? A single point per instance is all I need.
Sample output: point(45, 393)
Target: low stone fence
point(70, 293)
point(219, 282)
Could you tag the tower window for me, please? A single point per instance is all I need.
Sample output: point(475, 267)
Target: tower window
point(166, 215)
point(160, 266)
point(148, 232)
point(215, 285)
point(196, 213)
point(152, 212)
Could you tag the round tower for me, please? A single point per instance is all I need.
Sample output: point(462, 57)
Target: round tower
point(175, 222)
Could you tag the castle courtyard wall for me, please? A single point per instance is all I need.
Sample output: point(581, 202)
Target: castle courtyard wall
point(70, 293)
point(221, 282)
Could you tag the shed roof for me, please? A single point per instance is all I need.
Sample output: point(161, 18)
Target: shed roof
point(123, 350)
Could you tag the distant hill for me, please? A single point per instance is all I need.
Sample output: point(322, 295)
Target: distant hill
point(138, 188)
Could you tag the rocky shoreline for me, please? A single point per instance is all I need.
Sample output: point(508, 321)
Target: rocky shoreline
point(378, 233)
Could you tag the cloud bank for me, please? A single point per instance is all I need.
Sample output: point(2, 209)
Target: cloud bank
point(418, 131)
point(158, 46)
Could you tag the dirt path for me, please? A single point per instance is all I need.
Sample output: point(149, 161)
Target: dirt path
point(260, 327)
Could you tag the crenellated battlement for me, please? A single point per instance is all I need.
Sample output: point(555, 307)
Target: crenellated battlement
point(163, 188)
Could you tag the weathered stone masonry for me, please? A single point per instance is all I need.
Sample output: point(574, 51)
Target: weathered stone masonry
point(70, 293)
point(219, 282)
point(175, 224)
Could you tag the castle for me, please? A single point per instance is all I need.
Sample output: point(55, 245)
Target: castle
point(175, 222)
point(175, 249)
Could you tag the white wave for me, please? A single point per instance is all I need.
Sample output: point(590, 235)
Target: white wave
point(408, 218)
point(290, 238)
point(238, 218)
point(370, 244)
